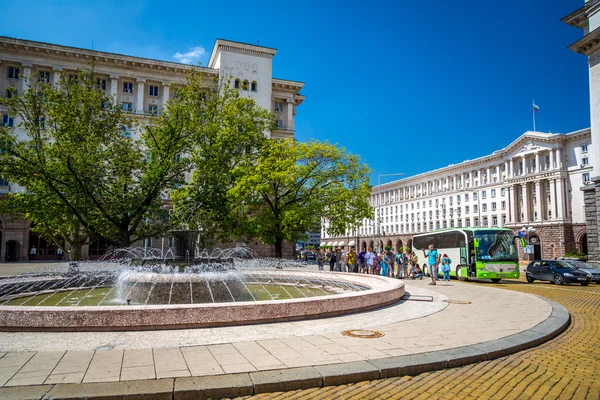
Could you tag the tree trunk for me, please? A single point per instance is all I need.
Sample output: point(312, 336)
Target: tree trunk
point(75, 252)
point(278, 247)
point(125, 240)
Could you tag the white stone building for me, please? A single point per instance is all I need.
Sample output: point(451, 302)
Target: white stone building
point(142, 86)
point(534, 182)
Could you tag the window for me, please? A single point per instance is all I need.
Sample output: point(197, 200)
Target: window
point(494, 206)
point(493, 192)
point(253, 86)
point(467, 209)
point(584, 148)
point(152, 90)
point(127, 107)
point(503, 205)
point(468, 222)
point(10, 92)
point(245, 85)
point(236, 84)
point(3, 182)
point(176, 93)
point(7, 120)
point(484, 207)
point(153, 109)
point(475, 195)
point(466, 196)
point(586, 176)
point(148, 242)
point(279, 123)
point(42, 123)
point(483, 194)
point(502, 191)
point(44, 76)
point(585, 161)
point(127, 87)
point(13, 73)
point(475, 208)
point(494, 221)
point(278, 106)
point(101, 84)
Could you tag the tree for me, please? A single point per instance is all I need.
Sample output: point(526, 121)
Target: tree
point(293, 182)
point(228, 131)
point(78, 154)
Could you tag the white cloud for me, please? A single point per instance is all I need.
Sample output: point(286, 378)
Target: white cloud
point(192, 56)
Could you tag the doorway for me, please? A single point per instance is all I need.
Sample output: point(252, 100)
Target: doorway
point(537, 247)
point(12, 251)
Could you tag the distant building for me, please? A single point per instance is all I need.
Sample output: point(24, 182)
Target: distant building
point(142, 87)
point(534, 182)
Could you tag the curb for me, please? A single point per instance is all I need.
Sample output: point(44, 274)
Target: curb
point(244, 384)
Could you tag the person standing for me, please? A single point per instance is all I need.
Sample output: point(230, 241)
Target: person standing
point(352, 261)
point(432, 261)
point(361, 261)
point(332, 261)
point(32, 253)
point(343, 261)
point(59, 253)
point(369, 260)
point(385, 263)
point(321, 259)
point(446, 267)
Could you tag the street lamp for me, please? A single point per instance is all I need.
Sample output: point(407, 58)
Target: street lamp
point(528, 232)
point(378, 216)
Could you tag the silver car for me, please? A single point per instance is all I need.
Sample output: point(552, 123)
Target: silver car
point(585, 267)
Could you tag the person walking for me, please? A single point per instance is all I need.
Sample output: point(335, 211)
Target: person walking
point(342, 261)
point(321, 259)
point(332, 261)
point(432, 261)
point(446, 267)
point(361, 261)
point(376, 262)
point(369, 260)
point(352, 261)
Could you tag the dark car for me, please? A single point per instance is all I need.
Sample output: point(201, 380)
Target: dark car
point(310, 255)
point(559, 272)
point(585, 267)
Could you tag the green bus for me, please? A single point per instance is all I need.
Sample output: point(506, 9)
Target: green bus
point(482, 253)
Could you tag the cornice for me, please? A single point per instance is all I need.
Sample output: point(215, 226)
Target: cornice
point(240, 48)
point(587, 45)
point(577, 18)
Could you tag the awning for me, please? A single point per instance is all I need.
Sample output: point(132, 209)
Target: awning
point(330, 244)
point(351, 243)
point(323, 244)
point(335, 244)
point(341, 243)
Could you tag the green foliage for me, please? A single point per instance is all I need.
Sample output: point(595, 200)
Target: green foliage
point(575, 254)
point(292, 182)
point(227, 131)
point(387, 248)
point(79, 160)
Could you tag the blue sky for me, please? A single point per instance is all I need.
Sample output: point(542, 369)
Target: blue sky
point(409, 85)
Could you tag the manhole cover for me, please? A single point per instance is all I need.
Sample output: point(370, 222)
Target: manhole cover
point(363, 333)
point(457, 302)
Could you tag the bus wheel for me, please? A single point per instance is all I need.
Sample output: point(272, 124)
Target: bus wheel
point(459, 276)
point(496, 280)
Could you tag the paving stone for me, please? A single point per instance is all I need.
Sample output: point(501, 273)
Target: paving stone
point(11, 363)
point(205, 387)
point(138, 373)
point(286, 379)
point(161, 389)
point(339, 374)
point(24, 392)
point(37, 369)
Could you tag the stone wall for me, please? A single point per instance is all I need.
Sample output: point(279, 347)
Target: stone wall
point(591, 199)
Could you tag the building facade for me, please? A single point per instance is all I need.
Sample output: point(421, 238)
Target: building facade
point(534, 182)
point(143, 87)
point(588, 19)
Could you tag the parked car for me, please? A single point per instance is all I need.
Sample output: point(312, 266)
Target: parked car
point(559, 272)
point(310, 255)
point(585, 267)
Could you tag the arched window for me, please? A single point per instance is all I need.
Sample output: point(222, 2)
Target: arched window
point(236, 84)
point(253, 87)
point(245, 85)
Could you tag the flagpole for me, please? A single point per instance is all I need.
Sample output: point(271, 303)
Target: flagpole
point(533, 113)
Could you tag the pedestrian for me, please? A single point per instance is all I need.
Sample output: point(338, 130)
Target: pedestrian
point(376, 260)
point(59, 253)
point(416, 271)
point(361, 261)
point(342, 261)
point(321, 259)
point(32, 253)
point(369, 260)
point(398, 265)
point(432, 261)
point(352, 261)
point(332, 260)
point(385, 262)
point(446, 261)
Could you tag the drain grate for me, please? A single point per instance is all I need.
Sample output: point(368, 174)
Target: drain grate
point(363, 333)
point(457, 302)
point(412, 297)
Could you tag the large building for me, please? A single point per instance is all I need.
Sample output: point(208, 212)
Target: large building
point(534, 182)
point(142, 86)
point(588, 19)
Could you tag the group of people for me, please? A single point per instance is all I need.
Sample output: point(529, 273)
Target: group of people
point(389, 263)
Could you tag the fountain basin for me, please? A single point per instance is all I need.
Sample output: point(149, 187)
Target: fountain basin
point(379, 292)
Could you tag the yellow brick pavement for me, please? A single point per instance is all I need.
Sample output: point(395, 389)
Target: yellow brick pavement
point(567, 367)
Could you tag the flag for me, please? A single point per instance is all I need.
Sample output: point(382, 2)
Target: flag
point(521, 234)
point(523, 243)
point(536, 107)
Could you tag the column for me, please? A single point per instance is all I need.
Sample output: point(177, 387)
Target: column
point(509, 171)
point(114, 84)
point(471, 179)
point(506, 173)
point(524, 163)
point(25, 77)
point(165, 96)
point(525, 196)
point(552, 206)
point(560, 196)
point(454, 182)
point(510, 203)
point(538, 196)
point(140, 96)
point(537, 162)
point(558, 159)
point(488, 175)
point(551, 159)
point(56, 72)
point(290, 114)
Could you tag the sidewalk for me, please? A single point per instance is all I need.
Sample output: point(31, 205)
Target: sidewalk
point(410, 328)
